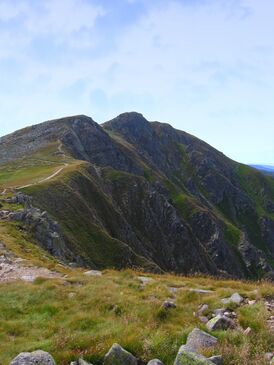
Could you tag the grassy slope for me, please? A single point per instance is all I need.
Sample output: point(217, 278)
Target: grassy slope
point(33, 168)
point(114, 308)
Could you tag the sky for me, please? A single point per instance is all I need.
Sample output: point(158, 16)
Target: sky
point(203, 66)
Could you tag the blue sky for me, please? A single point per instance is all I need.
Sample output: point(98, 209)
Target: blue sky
point(204, 66)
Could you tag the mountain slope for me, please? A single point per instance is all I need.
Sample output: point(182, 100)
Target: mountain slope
point(142, 194)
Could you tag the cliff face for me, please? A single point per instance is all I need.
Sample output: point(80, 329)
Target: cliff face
point(151, 196)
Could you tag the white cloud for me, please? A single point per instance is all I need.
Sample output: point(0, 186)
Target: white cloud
point(205, 66)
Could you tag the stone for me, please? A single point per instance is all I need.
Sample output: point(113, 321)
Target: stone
point(155, 362)
point(235, 298)
point(198, 339)
point(220, 322)
point(201, 291)
point(187, 356)
point(119, 356)
point(168, 304)
point(38, 357)
point(268, 355)
point(203, 319)
point(80, 362)
point(251, 302)
point(219, 311)
point(202, 309)
point(247, 331)
point(93, 273)
point(145, 279)
point(217, 360)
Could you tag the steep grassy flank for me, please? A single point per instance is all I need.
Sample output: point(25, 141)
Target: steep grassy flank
point(82, 316)
point(85, 215)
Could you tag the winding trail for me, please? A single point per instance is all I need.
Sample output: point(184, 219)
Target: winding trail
point(43, 180)
point(60, 150)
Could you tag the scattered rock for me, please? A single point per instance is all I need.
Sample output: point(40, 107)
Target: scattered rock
point(219, 311)
point(119, 356)
point(220, 322)
point(93, 273)
point(155, 362)
point(235, 298)
point(33, 358)
point(187, 356)
point(198, 340)
point(247, 331)
point(168, 304)
point(202, 309)
point(251, 302)
point(80, 362)
point(268, 355)
point(145, 280)
point(173, 289)
point(203, 319)
point(201, 291)
point(217, 360)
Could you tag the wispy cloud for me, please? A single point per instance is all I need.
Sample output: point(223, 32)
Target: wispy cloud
point(185, 61)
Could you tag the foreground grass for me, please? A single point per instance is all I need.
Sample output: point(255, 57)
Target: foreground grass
point(83, 316)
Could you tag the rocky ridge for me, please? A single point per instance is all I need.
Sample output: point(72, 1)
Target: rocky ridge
point(163, 199)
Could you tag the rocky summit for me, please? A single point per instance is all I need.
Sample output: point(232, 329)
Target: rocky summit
point(139, 194)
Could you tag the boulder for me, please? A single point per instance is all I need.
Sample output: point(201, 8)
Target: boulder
point(168, 304)
point(119, 356)
point(187, 356)
point(33, 358)
point(247, 331)
point(80, 362)
point(145, 279)
point(201, 291)
point(217, 360)
point(202, 309)
point(93, 273)
point(198, 340)
point(235, 298)
point(203, 319)
point(220, 322)
point(155, 362)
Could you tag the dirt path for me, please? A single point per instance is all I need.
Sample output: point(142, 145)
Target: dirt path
point(15, 268)
point(43, 180)
point(60, 150)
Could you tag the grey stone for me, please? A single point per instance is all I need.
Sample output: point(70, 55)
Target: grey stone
point(235, 298)
point(93, 273)
point(145, 279)
point(219, 311)
point(168, 304)
point(201, 291)
point(33, 358)
point(187, 356)
point(198, 340)
point(203, 319)
point(220, 323)
point(80, 362)
point(119, 356)
point(202, 309)
point(217, 360)
point(155, 362)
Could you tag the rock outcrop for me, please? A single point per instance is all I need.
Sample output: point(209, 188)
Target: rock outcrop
point(33, 358)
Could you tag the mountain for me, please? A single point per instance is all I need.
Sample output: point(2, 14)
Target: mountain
point(133, 193)
point(266, 169)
